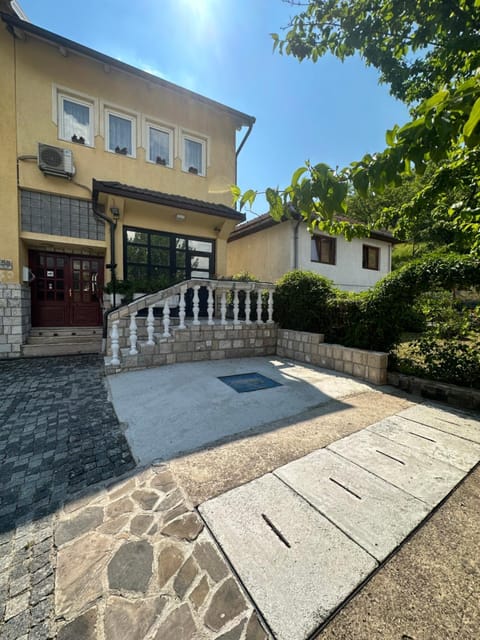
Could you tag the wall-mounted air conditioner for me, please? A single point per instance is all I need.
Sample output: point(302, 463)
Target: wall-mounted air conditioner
point(55, 161)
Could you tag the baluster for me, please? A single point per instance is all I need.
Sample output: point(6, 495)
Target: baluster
point(259, 307)
point(115, 361)
point(223, 307)
point(150, 326)
point(235, 307)
point(196, 306)
point(210, 306)
point(133, 335)
point(247, 307)
point(166, 319)
point(181, 312)
point(270, 307)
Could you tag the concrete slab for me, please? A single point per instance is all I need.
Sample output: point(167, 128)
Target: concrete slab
point(297, 566)
point(377, 515)
point(179, 408)
point(432, 442)
point(450, 421)
point(419, 475)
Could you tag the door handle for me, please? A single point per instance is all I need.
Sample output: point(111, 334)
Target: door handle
point(70, 292)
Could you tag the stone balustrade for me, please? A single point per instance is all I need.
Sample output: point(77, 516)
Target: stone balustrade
point(244, 299)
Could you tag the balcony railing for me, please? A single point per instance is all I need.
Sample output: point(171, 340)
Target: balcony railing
point(223, 302)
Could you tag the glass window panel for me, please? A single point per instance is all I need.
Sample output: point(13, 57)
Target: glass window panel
point(157, 240)
point(137, 254)
point(76, 120)
point(60, 273)
point(137, 272)
point(119, 134)
point(159, 146)
point(200, 262)
point(59, 285)
point(180, 273)
point(199, 245)
point(60, 295)
point(50, 262)
point(199, 274)
point(94, 266)
point(50, 295)
point(160, 256)
point(76, 265)
point(157, 271)
point(138, 237)
point(60, 262)
point(193, 156)
point(180, 243)
point(41, 260)
point(180, 259)
point(86, 265)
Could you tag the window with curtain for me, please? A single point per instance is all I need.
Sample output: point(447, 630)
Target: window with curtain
point(193, 156)
point(159, 146)
point(120, 134)
point(76, 121)
point(324, 249)
point(371, 257)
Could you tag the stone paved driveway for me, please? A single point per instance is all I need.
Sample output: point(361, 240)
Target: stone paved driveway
point(58, 435)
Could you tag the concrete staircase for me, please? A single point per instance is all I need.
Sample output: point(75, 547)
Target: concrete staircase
point(62, 341)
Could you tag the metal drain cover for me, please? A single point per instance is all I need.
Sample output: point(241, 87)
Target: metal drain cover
point(244, 382)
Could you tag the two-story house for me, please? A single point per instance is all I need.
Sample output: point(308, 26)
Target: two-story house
point(105, 171)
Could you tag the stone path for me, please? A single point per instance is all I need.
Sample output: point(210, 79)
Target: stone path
point(134, 562)
point(58, 435)
point(304, 537)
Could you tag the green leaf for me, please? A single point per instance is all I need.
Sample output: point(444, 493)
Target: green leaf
point(297, 175)
point(473, 120)
point(249, 196)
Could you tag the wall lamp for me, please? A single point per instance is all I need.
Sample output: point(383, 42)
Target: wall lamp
point(115, 211)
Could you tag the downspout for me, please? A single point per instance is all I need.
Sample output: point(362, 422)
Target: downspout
point(295, 244)
point(245, 138)
point(113, 225)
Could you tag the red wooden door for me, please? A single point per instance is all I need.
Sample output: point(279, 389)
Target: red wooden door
point(64, 291)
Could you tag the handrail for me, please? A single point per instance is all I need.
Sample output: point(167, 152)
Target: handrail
point(153, 299)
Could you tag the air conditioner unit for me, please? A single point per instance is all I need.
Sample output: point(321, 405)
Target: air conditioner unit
point(55, 161)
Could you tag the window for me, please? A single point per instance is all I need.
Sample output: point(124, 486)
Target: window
point(159, 148)
point(194, 155)
point(324, 249)
point(120, 133)
point(75, 120)
point(371, 257)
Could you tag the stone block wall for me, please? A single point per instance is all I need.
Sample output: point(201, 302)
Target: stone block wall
point(310, 348)
point(14, 318)
point(196, 343)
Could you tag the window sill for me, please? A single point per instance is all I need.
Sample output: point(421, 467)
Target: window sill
point(158, 164)
point(196, 175)
point(121, 155)
point(77, 144)
point(330, 264)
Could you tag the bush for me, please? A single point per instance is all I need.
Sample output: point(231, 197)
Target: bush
point(301, 301)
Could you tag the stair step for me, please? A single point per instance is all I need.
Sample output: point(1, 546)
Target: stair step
point(62, 339)
point(63, 349)
point(66, 331)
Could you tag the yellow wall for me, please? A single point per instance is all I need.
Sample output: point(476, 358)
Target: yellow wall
point(9, 243)
point(41, 65)
point(265, 254)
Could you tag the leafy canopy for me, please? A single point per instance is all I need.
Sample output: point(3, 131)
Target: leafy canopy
point(425, 50)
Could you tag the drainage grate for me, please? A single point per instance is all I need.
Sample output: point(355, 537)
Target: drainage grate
point(244, 382)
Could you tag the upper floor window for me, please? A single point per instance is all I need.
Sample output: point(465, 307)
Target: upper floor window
point(120, 133)
point(194, 155)
point(75, 120)
point(371, 257)
point(324, 249)
point(160, 143)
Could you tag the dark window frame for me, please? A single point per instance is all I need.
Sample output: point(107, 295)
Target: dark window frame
point(173, 250)
point(368, 251)
point(321, 242)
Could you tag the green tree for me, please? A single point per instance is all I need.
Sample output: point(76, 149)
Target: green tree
point(421, 48)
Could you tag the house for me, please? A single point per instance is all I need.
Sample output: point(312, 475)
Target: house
point(267, 249)
point(106, 172)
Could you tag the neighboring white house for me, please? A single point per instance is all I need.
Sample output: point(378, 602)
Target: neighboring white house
point(267, 249)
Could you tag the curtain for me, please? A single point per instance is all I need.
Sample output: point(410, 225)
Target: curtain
point(76, 120)
point(193, 155)
point(159, 145)
point(120, 133)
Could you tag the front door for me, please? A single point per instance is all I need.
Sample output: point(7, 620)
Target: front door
point(65, 290)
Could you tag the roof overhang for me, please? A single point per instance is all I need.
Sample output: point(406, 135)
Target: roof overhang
point(166, 199)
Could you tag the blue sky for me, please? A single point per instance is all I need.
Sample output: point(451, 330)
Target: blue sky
point(324, 112)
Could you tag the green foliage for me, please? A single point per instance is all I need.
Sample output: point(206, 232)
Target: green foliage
point(454, 362)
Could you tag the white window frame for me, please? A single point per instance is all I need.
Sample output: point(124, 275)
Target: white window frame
point(203, 142)
point(164, 129)
point(63, 95)
point(133, 132)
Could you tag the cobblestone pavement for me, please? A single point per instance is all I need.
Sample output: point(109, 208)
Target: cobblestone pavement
point(58, 435)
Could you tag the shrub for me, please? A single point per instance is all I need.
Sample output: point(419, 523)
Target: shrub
point(301, 301)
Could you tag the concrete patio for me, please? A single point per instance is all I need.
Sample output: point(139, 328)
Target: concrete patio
point(147, 553)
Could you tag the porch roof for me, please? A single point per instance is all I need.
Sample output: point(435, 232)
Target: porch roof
point(167, 199)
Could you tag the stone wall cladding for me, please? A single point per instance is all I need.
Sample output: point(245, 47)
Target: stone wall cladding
point(194, 344)
point(310, 348)
point(60, 216)
point(462, 397)
point(14, 318)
